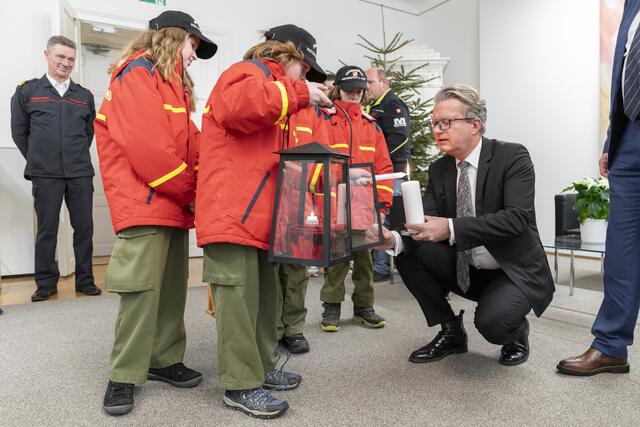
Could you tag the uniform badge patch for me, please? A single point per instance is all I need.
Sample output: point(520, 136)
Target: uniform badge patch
point(399, 122)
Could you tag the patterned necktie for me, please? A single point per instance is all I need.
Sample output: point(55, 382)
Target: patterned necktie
point(463, 209)
point(631, 98)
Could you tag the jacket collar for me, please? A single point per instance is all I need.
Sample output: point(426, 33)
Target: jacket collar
point(276, 68)
point(354, 110)
point(379, 100)
point(486, 154)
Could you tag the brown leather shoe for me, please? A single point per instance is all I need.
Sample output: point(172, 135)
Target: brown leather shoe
point(592, 362)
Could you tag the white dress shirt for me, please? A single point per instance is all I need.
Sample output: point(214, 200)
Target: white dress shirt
point(480, 256)
point(61, 88)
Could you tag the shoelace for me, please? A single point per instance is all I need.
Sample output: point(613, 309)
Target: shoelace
point(277, 374)
point(120, 390)
point(257, 397)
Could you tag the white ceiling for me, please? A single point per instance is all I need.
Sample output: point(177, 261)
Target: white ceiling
point(413, 7)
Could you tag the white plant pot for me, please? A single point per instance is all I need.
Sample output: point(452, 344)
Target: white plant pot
point(593, 231)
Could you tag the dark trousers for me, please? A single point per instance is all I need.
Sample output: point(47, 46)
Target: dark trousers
point(429, 272)
point(48, 194)
point(616, 320)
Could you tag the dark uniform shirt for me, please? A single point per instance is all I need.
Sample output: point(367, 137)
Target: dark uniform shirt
point(392, 115)
point(53, 133)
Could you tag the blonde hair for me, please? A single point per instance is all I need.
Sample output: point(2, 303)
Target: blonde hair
point(163, 47)
point(282, 52)
point(474, 106)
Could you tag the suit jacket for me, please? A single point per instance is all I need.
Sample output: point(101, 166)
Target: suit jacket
point(505, 221)
point(618, 121)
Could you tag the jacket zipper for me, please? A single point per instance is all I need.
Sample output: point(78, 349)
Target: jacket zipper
point(255, 197)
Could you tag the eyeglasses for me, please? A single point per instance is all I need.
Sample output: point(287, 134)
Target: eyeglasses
point(445, 124)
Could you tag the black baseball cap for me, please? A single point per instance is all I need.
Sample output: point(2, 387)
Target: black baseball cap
point(175, 18)
point(351, 77)
point(305, 44)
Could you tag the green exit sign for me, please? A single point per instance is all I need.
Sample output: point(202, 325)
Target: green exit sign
point(160, 2)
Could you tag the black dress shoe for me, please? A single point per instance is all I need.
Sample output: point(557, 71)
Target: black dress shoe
point(452, 339)
point(517, 352)
point(90, 290)
point(43, 294)
point(296, 344)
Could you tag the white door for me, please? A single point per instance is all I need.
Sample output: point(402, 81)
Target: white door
point(96, 79)
point(204, 74)
point(65, 22)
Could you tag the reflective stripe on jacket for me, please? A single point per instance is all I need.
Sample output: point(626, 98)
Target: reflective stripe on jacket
point(147, 147)
point(241, 130)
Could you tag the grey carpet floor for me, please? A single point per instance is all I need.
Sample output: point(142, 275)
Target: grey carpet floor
point(54, 357)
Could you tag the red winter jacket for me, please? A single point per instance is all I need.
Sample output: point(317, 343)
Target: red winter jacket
point(242, 127)
point(147, 147)
point(368, 143)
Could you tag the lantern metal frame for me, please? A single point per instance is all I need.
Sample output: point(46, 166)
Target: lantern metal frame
point(317, 153)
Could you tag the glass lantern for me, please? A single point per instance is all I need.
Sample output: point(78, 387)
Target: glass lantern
point(311, 215)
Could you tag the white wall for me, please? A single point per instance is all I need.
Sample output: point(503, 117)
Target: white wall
point(31, 20)
point(452, 30)
point(335, 24)
point(539, 73)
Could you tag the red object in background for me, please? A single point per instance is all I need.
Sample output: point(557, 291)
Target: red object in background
point(362, 207)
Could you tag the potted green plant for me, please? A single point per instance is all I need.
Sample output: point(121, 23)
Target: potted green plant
point(592, 206)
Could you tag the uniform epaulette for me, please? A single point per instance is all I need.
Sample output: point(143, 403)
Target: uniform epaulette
point(23, 82)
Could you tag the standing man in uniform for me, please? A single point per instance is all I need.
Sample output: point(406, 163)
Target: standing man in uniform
point(614, 325)
point(392, 115)
point(52, 125)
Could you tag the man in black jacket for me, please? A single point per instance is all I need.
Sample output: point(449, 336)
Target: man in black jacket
point(392, 116)
point(52, 125)
point(479, 239)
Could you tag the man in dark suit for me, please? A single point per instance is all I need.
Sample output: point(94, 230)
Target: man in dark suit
point(615, 323)
point(479, 239)
point(52, 126)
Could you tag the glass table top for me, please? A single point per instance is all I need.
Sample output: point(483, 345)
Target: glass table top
point(573, 243)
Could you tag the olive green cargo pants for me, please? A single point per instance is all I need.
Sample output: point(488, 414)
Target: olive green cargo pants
point(245, 289)
point(149, 268)
point(333, 288)
point(291, 295)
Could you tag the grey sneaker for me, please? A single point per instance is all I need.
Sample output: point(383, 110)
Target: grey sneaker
point(277, 379)
point(255, 402)
point(368, 317)
point(330, 317)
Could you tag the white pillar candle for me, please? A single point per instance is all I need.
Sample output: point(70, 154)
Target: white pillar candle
point(412, 200)
point(340, 205)
point(311, 219)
